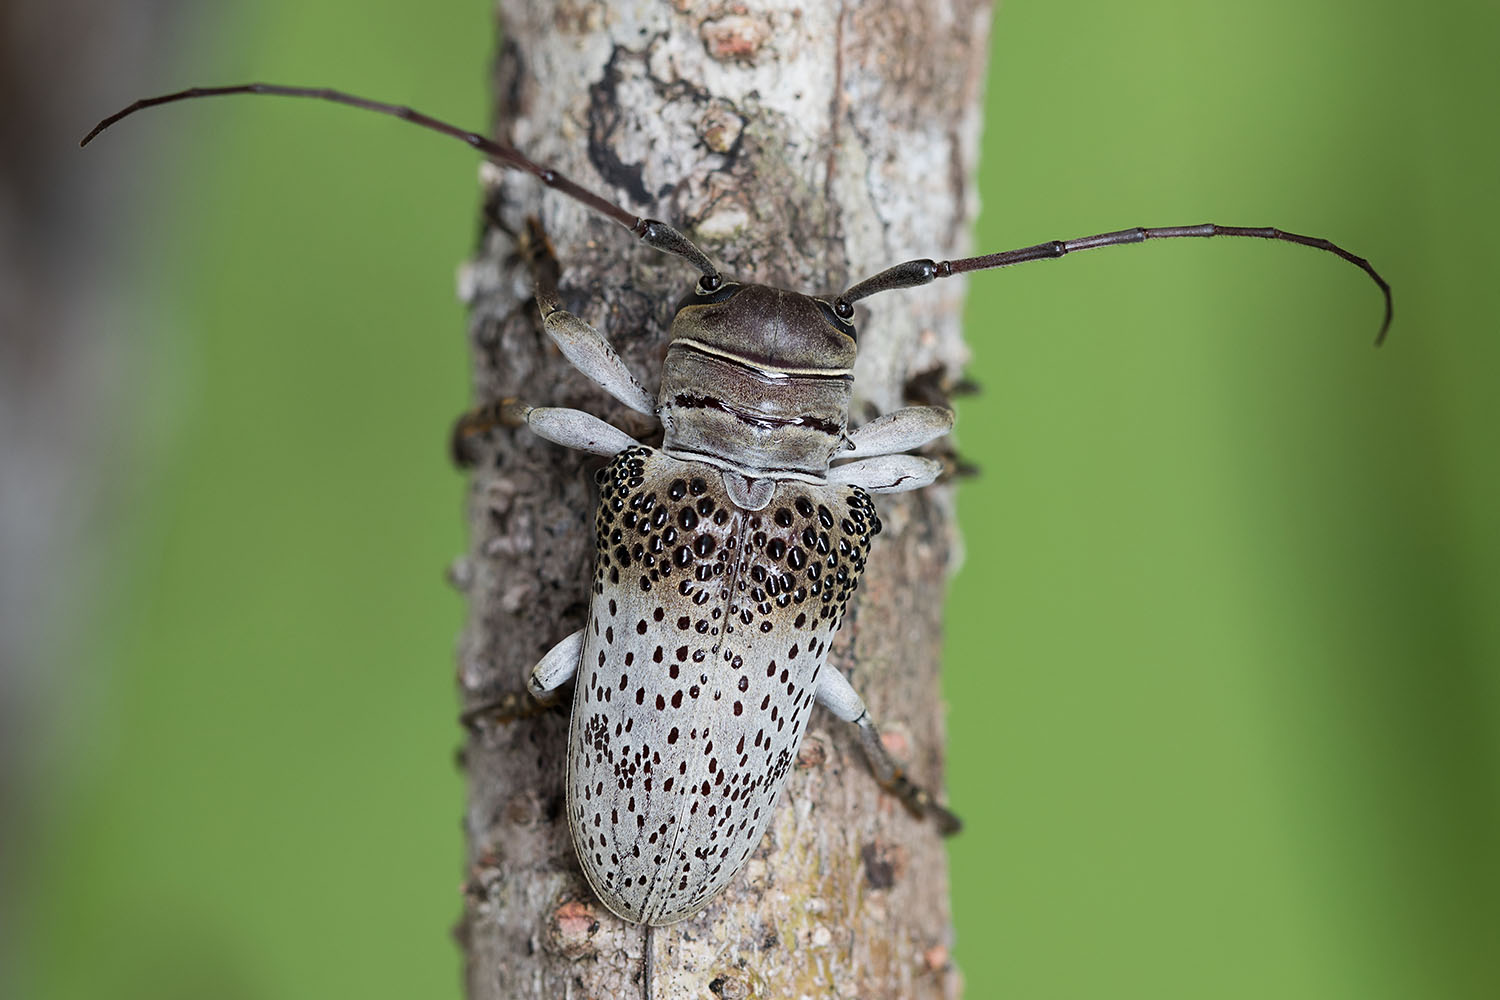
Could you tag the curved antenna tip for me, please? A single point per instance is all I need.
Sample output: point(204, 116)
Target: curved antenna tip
point(1385, 326)
point(654, 234)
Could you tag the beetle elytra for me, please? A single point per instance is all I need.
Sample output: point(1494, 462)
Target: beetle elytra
point(726, 556)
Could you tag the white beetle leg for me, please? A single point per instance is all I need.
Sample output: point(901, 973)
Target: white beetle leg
point(551, 672)
point(569, 428)
point(573, 429)
point(887, 473)
point(556, 668)
point(588, 351)
point(899, 430)
point(835, 694)
point(583, 346)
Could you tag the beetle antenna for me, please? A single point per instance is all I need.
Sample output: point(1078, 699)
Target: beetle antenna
point(651, 232)
point(920, 272)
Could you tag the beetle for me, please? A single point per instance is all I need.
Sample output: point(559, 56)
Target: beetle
point(725, 558)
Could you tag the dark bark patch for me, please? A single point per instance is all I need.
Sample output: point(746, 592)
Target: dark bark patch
point(604, 121)
point(728, 987)
point(885, 862)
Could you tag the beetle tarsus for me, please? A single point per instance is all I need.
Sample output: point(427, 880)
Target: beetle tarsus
point(509, 707)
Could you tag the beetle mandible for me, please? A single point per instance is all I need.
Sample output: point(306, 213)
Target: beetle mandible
point(724, 559)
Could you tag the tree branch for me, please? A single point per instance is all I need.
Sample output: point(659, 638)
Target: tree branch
point(804, 146)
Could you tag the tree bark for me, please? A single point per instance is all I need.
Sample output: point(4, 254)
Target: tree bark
point(806, 146)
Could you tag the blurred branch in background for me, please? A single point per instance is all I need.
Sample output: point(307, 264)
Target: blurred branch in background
point(63, 376)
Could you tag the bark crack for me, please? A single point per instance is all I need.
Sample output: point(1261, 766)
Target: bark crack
point(835, 103)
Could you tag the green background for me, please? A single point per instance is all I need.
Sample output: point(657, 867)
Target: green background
point(1222, 656)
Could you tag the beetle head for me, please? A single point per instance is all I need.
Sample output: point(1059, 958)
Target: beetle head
point(757, 377)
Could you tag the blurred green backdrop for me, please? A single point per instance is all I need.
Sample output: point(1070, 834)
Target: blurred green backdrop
point(1222, 657)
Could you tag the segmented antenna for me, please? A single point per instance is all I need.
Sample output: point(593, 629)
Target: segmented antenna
point(651, 232)
point(921, 272)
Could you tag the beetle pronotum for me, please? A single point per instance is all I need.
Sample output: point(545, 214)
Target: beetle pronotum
point(725, 557)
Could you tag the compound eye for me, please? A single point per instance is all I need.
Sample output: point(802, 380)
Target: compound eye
point(709, 283)
point(839, 313)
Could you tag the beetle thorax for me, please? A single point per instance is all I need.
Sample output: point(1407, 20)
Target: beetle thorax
point(757, 380)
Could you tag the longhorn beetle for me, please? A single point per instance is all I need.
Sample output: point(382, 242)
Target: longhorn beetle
point(725, 558)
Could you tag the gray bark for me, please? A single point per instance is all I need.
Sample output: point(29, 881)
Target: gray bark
point(806, 146)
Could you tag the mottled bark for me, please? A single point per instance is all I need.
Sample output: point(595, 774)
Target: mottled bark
point(801, 145)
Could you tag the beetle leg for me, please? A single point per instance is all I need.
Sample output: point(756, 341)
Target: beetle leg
point(574, 429)
point(507, 708)
point(556, 668)
point(887, 473)
point(569, 428)
point(472, 425)
point(588, 351)
point(898, 431)
point(583, 346)
point(835, 694)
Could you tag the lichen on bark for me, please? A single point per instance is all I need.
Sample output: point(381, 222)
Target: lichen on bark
point(806, 146)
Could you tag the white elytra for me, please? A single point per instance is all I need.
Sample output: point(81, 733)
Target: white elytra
point(706, 645)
